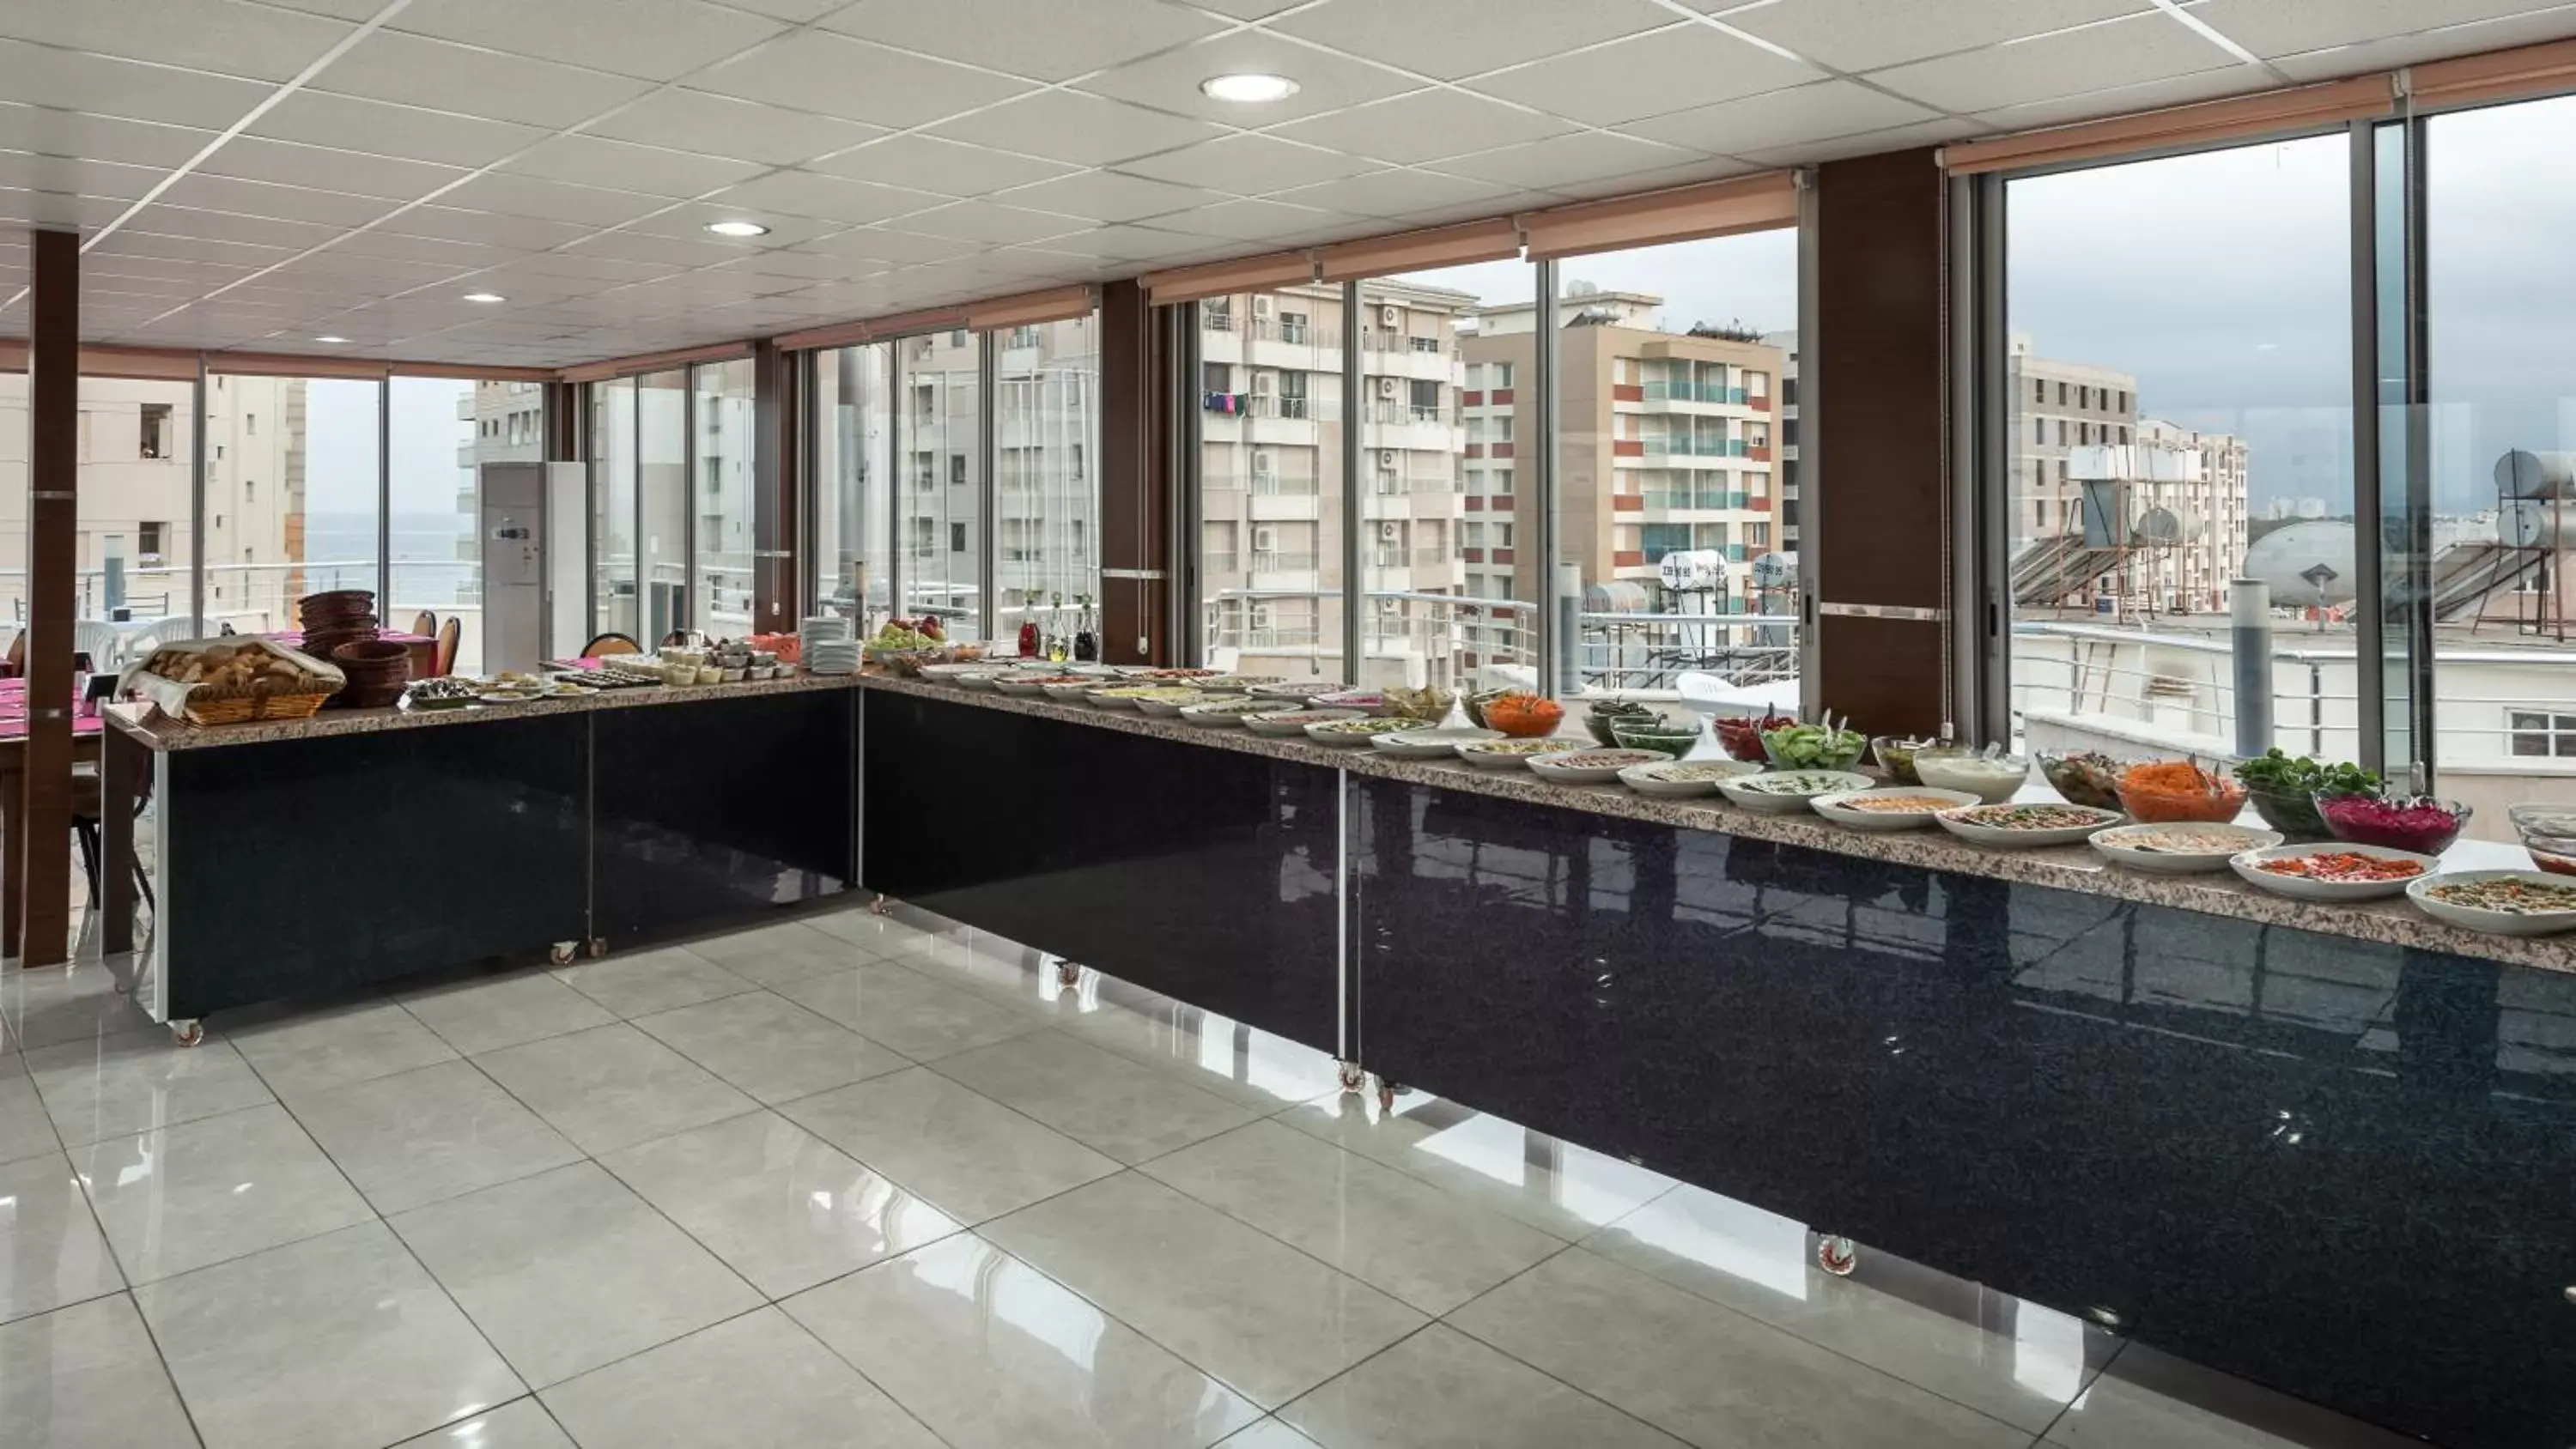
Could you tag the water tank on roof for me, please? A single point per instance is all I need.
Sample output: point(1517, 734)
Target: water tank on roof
point(1691, 568)
point(2522, 473)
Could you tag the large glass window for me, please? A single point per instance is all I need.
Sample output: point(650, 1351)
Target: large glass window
point(136, 545)
point(723, 548)
point(662, 430)
point(2181, 414)
point(292, 494)
point(938, 523)
point(1676, 562)
point(1046, 445)
point(612, 497)
point(852, 509)
point(439, 433)
point(1270, 482)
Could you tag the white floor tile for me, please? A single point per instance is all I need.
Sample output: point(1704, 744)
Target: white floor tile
point(569, 1270)
point(1269, 1434)
point(1279, 1324)
point(612, 1087)
point(1098, 1098)
point(56, 1004)
point(650, 981)
point(1556, 1187)
point(903, 1009)
point(968, 1155)
point(756, 1380)
point(770, 1047)
point(338, 1340)
point(781, 1206)
point(138, 1081)
point(1706, 1373)
point(519, 1424)
point(486, 1013)
point(182, 1197)
point(431, 1134)
point(308, 1054)
point(51, 1253)
point(877, 935)
point(25, 1129)
point(87, 1377)
point(1440, 1387)
point(776, 954)
point(992, 1355)
point(1395, 1233)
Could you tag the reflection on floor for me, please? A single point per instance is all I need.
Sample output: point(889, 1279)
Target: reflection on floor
point(849, 1179)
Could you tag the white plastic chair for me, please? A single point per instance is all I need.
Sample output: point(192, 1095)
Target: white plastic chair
point(100, 640)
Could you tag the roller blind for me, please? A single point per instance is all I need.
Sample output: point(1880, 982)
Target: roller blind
point(2332, 103)
point(1216, 279)
point(1718, 208)
point(1445, 246)
point(652, 362)
point(2498, 75)
point(1031, 308)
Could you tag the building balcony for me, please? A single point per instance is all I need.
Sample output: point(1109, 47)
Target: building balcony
point(1217, 563)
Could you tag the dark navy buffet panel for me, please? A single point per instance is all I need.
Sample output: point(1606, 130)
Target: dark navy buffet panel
point(1206, 874)
point(2345, 1170)
point(711, 809)
point(306, 865)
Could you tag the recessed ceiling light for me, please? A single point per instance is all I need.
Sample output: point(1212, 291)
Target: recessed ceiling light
point(330, 339)
point(1249, 89)
point(737, 228)
point(485, 297)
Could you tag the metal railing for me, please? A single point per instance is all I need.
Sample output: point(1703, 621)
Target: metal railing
point(1273, 485)
point(1278, 561)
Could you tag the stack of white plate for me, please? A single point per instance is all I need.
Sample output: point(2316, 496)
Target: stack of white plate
point(823, 641)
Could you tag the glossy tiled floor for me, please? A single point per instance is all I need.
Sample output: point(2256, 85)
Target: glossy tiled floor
point(847, 1181)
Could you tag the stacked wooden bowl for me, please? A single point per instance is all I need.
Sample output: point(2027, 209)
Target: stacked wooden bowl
point(377, 670)
point(329, 620)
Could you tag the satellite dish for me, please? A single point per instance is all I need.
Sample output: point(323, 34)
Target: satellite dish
point(1775, 570)
point(1694, 568)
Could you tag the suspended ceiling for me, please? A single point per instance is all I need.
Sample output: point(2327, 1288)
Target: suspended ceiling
point(258, 175)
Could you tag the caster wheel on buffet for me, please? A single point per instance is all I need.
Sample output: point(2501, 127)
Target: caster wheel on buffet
point(1068, 974)
point(597, 948)
point(187, 1033)
point(560, 953)
point(1386, 1091)
point(1352, 1077)
point(881, 906)
point(1837, 1256)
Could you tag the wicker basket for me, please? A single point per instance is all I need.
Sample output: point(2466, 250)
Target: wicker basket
point(204, 709)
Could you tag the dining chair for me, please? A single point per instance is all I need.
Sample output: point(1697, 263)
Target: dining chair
point(425, 623)
point(445, 661)
point(603, 645)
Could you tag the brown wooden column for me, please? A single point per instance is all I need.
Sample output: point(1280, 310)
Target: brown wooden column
point(1137, 559)
point(53, 508)
point(778, 462)
point(1875, 400)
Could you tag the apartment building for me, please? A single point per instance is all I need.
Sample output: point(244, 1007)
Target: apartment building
point(1665, 443)
point(509, 422)
point(1272, 429)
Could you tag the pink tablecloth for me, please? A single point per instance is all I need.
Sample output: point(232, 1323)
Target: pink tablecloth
point(13, 713)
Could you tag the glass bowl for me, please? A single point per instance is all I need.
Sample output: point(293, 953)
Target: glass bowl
point(2083, 777)
point(2219, 806)
point(1993, 779)
point(2549, 833)
point(1649, 732)
point(2418, 823)
point(2293, 813)
point(1895, 755)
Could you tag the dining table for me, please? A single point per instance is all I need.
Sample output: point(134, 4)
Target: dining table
point(13, 798)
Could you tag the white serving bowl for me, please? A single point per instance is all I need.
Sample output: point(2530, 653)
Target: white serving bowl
point(1685, 779)
point(1957, 824)
point(1329, 732)
point(1591, 767)
point(1201, 714)
point(951, 671)
point(1992, 780)
point(1843, 807)
point(1486, 759)
point(1747, 791)
point(2227, 842)
point(1291, 723)
point(1431, 743)
point(2498, 923)
point(1168, 708)
point(2248, 865)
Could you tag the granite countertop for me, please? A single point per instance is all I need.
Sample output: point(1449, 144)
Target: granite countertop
point(160, 732)
point(2067, 867)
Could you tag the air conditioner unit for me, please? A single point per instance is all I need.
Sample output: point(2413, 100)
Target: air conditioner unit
point(1386, 387)
point(1386, 460)
point(1264, 463)
point(1263, 382)
point(1265, 540)
point(1390, 531)
point(1261, 306)
point(1389, 316)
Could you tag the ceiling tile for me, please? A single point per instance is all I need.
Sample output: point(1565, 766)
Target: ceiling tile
point(107, 260)
point(897, 248)
point(807, 193)
point(1817, 112)
point(1647, 76)
point(838, 76)
point(1254, 221)
point(550, 200)
point(2069, 62)
point(321, 168)
point(1047, 39)
point(225, 226)
point(1586, 155)
point(1871, 143)
point(58, 209)
point(2558, 23)
point(689, 222)
point(723, 126)
point(2287, 27)
point(1856, 35)
point(1129, 243)
point(99, 138)
point(191, 249)
point(41, 76)
point(1084, 130)
point(1249, 165)
point(806, 266)
point(1108, 196)
point(383, 129)
point(634, 246)
point(223, 36)
point(581, 266)
point(1425, 126)
point(652, 170)
point(1454, 38)
point(1392, 192)
point(2146, 96)
point(491, 228)
point(261, 198)
point(81, 178)
point(986, 221)
point(1170, 81)
point(418, 71)
point(655, 39)
point(377, 242)
point(927, 163)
